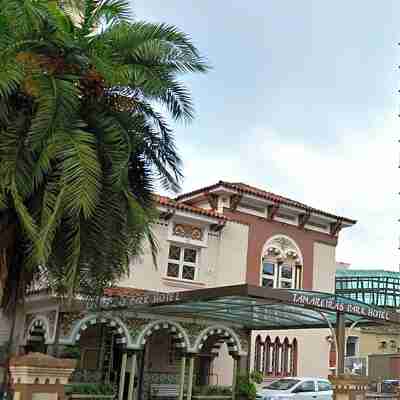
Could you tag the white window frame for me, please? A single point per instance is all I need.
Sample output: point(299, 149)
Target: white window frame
point(277, 278)
point(291, 280)
point(181, 262)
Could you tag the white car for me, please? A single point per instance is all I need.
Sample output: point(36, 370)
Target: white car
point(296, 389)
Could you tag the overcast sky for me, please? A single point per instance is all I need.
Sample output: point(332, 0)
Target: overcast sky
point(302, 101)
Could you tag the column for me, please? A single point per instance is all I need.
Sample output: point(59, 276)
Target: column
point(340, 339)
point(122, 376)
point(234, 377)
point(131, 392)
point(182, 377)
point(190, 379)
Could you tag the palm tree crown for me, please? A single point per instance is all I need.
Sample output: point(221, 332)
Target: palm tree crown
point(82, 142)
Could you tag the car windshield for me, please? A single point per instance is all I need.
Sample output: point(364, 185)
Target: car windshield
point(282, 384)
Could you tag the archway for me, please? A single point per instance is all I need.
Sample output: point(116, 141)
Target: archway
point(165, 345)
point(218, 349)
point(98, 343)
point(37, 335)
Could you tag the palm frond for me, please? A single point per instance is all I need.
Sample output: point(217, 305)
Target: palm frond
point(58, 104)
point(81, 171)
point(50, 218)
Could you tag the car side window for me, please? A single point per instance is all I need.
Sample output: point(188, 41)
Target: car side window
point(307, 386)
point(324, 386)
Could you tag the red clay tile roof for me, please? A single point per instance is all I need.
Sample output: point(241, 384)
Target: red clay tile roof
point(251, 190)
point(168, 202)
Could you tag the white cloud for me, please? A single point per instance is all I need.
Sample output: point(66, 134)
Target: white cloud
point(356, 178)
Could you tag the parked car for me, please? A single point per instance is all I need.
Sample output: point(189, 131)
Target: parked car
point(390, 385)
point(296, 389)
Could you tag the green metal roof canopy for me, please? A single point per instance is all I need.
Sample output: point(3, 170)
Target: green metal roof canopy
point(375, 287)
point(256, 307)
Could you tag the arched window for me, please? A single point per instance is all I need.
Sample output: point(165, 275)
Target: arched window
point(258, 354)
point(285, 357)
point(293, 371)
point(268, 356)
point(277, 356)
point(281, 264)
point(280, 358)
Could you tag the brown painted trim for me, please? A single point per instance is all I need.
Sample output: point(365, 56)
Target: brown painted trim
point(261, 230)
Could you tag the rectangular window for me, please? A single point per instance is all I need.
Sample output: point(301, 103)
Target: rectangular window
point(351, 346)
point(182, 262)
point(283, 276)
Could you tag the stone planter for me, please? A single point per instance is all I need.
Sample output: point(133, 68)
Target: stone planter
point(40, 376)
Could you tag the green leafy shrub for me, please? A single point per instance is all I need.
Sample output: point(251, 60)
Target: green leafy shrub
point(212, 390)
point(245, 388)
point(71, 352)
point(257, 377)
point(90, 388)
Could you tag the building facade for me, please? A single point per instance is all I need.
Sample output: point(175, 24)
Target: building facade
point(224, 234)
point(366, 345)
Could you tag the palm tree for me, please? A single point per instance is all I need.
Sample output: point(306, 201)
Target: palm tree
point(82, 139)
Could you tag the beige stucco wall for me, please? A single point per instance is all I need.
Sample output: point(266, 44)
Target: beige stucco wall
point(324, 267)
point(222, 368)
point(370, 343)
point(221, 262)
point(313, 349)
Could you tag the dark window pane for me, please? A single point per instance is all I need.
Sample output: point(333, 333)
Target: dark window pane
point(324, 386)
point(287, 272)
point(307, 386)
point(268, 268)
point(173, 270)
point(188, 272)
point(174, 252)
point(268, 283)
point(286, 285)
point(190, 255)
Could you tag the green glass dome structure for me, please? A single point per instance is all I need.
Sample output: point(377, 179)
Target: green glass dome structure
point(374, 287)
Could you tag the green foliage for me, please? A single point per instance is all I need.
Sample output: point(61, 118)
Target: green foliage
point(73, 352)
point(212, 390)
point(82, 146)
point(90, 388)
point(245, 388)
point(257, 376)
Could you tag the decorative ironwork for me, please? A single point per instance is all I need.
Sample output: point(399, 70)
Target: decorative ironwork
point(276, 358)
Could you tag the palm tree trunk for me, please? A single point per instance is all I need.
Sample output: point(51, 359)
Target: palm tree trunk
point(9, 351)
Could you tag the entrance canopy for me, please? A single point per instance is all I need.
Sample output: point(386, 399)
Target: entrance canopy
point(256, 307)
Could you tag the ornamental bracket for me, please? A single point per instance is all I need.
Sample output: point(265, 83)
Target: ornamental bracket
point(303, 219)
point(235, 200)
point(336, 227)
point(212, 200)
point(272, 211)
point(167, 215)
point(217, 227)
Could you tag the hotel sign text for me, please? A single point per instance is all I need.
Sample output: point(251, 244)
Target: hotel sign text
point(146, 299)
point(332, 305)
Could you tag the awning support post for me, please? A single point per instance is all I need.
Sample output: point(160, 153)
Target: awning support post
point(234, 376)
point(182, 377)
point(132, 377)
point(190, 379)
point(122, 376)
point(340, 340)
